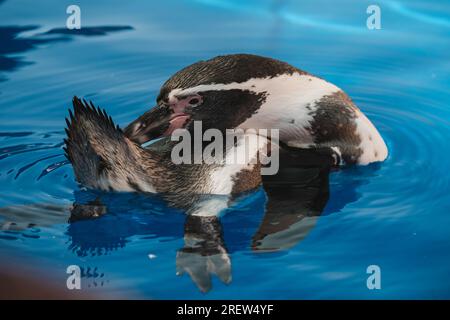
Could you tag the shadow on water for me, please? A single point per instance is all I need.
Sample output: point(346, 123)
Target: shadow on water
point(13, 45)
point(88, 31)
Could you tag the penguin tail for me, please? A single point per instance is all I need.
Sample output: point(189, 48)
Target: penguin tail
point(94, 144)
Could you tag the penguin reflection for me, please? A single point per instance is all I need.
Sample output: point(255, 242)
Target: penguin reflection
point(103, 222)
point(295, 197)
point(291, 210)
point(204, 252)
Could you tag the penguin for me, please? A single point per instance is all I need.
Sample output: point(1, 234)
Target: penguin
point(253, 92)
point(104, 158)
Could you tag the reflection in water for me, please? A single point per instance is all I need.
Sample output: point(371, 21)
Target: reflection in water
point(204, 252)
point(88, 31)
point(93, 209)
point(296, 196)
point(12, 44)
point(292, 211)
point(101, 223)
point(24, 217)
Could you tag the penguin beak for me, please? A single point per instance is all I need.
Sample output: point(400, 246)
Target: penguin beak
point(155, 123)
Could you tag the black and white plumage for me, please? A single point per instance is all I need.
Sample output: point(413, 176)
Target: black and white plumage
point(104, 158)
point(248, 91)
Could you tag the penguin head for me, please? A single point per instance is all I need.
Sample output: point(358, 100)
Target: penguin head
point(208, 91)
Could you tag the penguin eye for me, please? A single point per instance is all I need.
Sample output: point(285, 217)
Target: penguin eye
point(194, 101)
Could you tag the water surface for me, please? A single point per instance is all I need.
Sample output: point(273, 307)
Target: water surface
point(394, 215)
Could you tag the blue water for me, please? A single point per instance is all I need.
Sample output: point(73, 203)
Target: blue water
point(395, 215)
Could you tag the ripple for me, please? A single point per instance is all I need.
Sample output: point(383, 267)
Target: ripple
point(393, 213)
point(419, 16)
point(24, 168)
point(15, 134)
point(52, 167)
point(413, 138)
point(22, 148)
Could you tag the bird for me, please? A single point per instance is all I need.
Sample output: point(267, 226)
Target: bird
point(104, 158)
point(246, 91)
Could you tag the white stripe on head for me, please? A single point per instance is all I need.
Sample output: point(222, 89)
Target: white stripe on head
point(308, 86)
point(288, 97)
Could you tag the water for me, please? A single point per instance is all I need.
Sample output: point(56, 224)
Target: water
point(394, 215)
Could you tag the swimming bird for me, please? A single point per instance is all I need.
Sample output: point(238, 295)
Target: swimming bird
point(253, 92)
point(104, 158)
